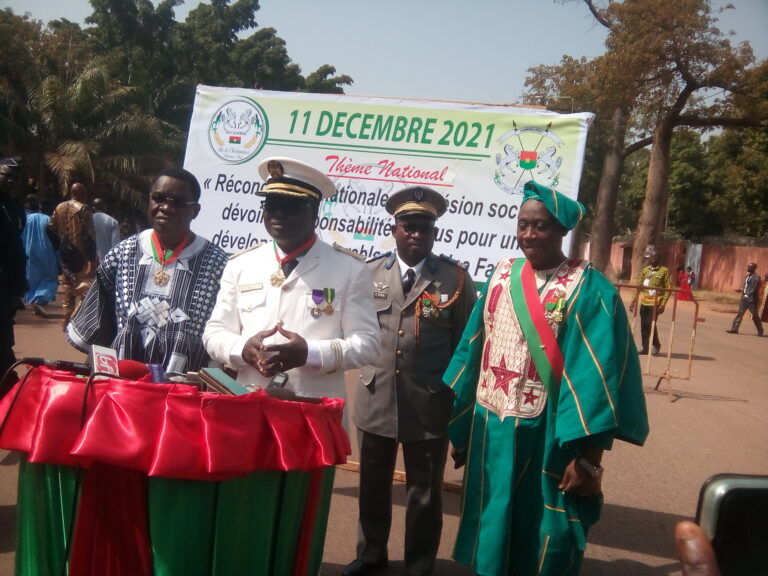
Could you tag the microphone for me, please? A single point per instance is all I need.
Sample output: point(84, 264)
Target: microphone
point(76, 367)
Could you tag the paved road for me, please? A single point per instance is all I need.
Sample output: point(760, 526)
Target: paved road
point(716, 421)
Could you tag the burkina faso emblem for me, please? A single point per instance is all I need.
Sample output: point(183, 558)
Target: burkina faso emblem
point(529, 153)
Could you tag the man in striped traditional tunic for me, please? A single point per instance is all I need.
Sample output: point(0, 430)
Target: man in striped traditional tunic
point(546, 377)
point(155, 290)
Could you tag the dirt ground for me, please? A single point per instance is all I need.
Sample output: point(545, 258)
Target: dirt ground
point(715, 420)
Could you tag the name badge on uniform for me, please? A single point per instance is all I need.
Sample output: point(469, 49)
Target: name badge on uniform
point(250, 287)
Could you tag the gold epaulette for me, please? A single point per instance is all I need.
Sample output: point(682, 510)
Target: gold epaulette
point(236, 254)
point(349, 252)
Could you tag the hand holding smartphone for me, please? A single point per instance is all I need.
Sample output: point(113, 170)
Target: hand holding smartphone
point(733, 513)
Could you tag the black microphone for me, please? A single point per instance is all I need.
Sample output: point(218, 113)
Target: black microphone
point(76, 367)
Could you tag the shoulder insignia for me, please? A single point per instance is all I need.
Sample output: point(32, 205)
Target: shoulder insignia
point(450, 260)
point(236, 254)
point(378, 257)
point(348, 252)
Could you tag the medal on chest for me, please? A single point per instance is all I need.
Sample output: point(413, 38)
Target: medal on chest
point(161, 277)
point(277, 278)
point(326, 295)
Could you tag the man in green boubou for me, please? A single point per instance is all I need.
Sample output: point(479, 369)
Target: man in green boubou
point(546, 377)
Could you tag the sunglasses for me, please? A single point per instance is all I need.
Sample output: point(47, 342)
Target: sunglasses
point(411, 228)
point(172, 201)
point(284, 205)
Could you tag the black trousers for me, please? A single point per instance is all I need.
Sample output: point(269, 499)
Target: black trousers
point(646, 319)
point(744, 305)
point(424, 467)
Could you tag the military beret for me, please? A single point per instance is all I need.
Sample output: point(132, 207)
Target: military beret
point(289, 177)
point(416, 200)
point(566, 211)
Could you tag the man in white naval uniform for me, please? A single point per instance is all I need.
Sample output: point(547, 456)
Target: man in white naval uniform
point(296, 304)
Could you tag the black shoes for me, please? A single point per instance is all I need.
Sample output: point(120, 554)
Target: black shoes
point(732, 331)
point(359, 568)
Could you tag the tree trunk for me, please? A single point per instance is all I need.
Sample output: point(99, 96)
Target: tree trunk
point(603, 225)
point(652, 218)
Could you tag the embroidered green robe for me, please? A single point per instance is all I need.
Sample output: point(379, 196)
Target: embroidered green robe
point(514, 520)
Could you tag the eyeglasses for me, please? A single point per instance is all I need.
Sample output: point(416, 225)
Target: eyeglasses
point(171, 201)
point(411, 228)
point(284, 205)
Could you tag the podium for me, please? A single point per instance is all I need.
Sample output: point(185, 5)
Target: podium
point(132, 478)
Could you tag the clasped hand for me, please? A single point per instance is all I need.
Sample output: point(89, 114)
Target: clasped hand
point(269, 359)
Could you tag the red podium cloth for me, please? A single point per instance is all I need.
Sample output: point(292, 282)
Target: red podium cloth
point(168, 430)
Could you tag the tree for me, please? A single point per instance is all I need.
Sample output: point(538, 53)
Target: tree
point(18, 35)
point(218, 44)
point(688, 210)
point(691, 56)
point(737, 175)
point(666, 66)
point(94, 128)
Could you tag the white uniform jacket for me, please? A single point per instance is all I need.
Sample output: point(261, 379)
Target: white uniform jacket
point(247, 303)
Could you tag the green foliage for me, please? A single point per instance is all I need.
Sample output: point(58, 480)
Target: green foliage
point(688, 210)
point(737, 164)
point(110, 103)
point(95, 128)
point(718, 187)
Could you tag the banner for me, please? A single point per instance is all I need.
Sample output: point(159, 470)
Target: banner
point(477, 156)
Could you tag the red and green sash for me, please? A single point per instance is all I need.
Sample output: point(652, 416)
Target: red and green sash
point(541, 339)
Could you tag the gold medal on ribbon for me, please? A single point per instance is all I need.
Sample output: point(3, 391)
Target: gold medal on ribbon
point(329, 294)
point(277, 278)
point(161, 277)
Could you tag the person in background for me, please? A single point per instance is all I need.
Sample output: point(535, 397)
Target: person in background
point(691, 278)
point(423, 302)
point(653, 284)
point(42, 260)
point(155, 290)
point(107, 229)
point(546, 377)
point(13, 282)
point(296, 304)
point(72, 225)
point(749, 293)
point(684, 293)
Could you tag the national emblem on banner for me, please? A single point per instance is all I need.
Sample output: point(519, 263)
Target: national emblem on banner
point(529, 153)
point(238, 130)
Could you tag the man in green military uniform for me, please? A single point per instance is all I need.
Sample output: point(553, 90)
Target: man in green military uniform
point(422, 303)
point(546, 377)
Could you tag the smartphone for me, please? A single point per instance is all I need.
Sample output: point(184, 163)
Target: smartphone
point(279, 380)
point(733, 512)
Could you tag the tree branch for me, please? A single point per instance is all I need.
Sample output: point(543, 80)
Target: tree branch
point(724, 121)
point(635, 146)
point(597, 14)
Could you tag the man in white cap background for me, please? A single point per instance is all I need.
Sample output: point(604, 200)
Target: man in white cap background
point(423, 302)
point(294, 305)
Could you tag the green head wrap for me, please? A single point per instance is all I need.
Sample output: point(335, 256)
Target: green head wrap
point(566, 211)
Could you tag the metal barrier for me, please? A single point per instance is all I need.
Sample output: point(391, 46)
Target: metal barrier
point(647, 362)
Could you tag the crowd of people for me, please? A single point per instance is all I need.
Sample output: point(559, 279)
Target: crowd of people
point(531, 379)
